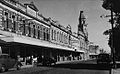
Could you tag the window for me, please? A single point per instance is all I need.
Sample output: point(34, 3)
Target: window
point(38, 32)
point(62, 37)
point(6, 20)
point(34, 31)
point(52, 35)
point(41, 32)
point(58, 36)
point(29, 29)
point(1, 18)
point(55, 35)
point(48, 34)
point(22, 26)
point(13, 22)
point(44, 36)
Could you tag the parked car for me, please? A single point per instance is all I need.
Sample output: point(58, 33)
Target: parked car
point(6, 62)
point(104, 58)
point(46, 61)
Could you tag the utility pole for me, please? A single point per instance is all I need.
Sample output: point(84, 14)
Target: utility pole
point(112, 38)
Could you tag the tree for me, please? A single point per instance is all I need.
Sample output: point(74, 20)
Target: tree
point(114, 5)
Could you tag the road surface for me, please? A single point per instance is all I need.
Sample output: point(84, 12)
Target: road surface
point(74, 67)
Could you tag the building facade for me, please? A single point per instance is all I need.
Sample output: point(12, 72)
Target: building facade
point(27, 33)
point(94, 50)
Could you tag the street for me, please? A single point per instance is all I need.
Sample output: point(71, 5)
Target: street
point(74, 67)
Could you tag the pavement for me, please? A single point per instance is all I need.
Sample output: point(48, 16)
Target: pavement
point(26, 66)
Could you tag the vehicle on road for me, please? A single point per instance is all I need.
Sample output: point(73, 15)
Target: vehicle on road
point(104, 58)
point(46, 61)
point(6, 62)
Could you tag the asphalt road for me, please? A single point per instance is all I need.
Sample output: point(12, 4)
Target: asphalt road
point(74, 67)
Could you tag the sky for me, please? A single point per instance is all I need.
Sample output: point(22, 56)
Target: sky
point(67, 12)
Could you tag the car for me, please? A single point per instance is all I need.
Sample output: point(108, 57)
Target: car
point(104, 58)
point(46, 61)
point(6, 62)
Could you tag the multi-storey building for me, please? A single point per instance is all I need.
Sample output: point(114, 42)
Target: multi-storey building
point(26, 32)
point(94, 50)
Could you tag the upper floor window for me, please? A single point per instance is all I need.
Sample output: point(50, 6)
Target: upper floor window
point(55, 35)
point(52, 34)
point(58, 36)
point(6, 15)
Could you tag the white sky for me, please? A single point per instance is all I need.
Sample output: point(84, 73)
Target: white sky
point(67, 12)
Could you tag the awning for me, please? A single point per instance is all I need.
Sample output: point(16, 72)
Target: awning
point(12, 37)
point(2, 42)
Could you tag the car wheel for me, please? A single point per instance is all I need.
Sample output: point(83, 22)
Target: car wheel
point(3, 69)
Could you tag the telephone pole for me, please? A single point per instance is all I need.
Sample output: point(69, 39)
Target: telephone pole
point(112, 38)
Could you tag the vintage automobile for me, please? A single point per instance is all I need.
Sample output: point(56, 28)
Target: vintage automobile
point(6, 62)
point(104, 58)
point(46, 61)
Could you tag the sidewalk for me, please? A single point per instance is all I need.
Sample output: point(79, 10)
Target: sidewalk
point(26, 66)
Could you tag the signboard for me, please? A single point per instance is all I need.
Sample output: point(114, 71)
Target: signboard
point(31, 11)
